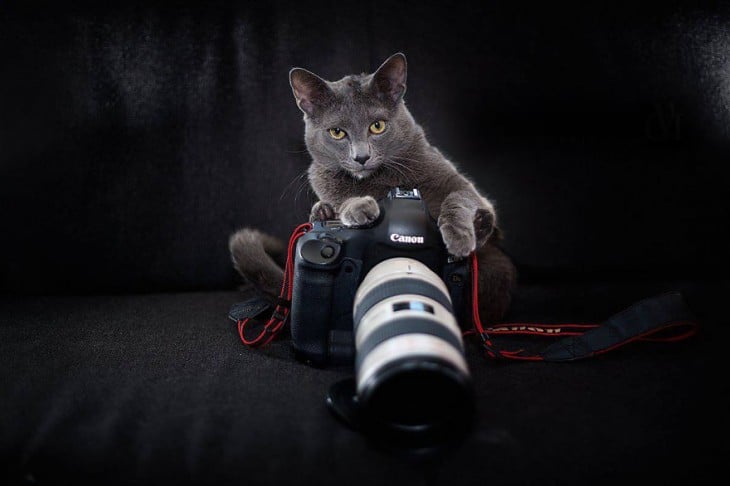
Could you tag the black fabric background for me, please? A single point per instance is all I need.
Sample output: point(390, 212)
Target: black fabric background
point(135, 138)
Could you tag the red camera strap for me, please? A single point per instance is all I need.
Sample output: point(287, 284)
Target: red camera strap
point(267, 331)
point(664, 318)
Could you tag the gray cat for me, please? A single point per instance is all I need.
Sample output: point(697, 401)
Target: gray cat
point(363, 141)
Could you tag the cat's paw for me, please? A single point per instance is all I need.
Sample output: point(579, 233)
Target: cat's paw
point(458, 233)
point(359, 211)
point(322, 211)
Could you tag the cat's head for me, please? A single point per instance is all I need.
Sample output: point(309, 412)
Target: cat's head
point(357, 123)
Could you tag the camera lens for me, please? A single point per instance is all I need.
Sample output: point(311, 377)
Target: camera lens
point(411, 373)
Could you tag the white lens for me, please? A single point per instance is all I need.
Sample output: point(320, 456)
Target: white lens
point(410, 361)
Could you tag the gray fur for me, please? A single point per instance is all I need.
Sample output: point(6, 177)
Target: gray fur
point(399, 156)
point(252, 252)
point(359, 211)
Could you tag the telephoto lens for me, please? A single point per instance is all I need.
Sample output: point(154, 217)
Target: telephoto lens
point(410, 371)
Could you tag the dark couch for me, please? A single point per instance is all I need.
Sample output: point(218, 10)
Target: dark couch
point(135, 139)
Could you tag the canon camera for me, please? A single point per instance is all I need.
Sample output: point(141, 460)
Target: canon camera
point(389, 299)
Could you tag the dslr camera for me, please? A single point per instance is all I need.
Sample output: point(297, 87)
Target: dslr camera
point(388, 299)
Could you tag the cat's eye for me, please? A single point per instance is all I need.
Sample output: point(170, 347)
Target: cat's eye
point(377, 127)
point(337, 133)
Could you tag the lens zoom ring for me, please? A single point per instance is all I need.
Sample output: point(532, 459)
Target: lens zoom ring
point(400, 286)
point(406, 325)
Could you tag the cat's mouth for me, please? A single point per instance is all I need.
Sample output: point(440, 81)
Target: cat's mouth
point(363, 171)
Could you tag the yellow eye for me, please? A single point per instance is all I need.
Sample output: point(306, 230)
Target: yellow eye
point(337, 134)
point(377, 127)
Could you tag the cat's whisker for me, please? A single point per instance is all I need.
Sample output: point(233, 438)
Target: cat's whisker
point(300, 179)
point(399, 167)
point(403, 179)
point(399, 160)
point(403, 169)
point(303, 186)
point(407, 159)
point(394, 166)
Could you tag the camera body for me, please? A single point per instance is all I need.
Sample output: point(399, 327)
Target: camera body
point(331, 261)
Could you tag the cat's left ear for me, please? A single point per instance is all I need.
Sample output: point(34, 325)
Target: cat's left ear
point(389, 81)
point(310, 91)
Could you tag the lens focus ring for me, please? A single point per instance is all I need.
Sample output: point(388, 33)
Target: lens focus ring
point(392, 288)
point(407, 325)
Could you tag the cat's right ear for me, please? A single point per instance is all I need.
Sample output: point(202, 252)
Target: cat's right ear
point(389, 80)
point(310, 91)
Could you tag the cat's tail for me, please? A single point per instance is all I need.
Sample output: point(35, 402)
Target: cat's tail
point(253, 254)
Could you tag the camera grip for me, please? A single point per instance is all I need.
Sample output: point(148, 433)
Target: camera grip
point(310, 313)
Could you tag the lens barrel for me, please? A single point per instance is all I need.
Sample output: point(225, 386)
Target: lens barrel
point(411, 373)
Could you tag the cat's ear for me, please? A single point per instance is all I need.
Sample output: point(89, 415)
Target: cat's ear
point(389, 81)
point(310, 91)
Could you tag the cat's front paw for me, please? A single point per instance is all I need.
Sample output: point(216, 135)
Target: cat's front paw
point(359, 211)
point(322, 211)
point(458, 234)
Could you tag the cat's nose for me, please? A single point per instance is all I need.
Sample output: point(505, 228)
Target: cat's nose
point(361, 158)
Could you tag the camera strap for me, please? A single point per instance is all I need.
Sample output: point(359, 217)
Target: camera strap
point(251, 329)
point(663, 318)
